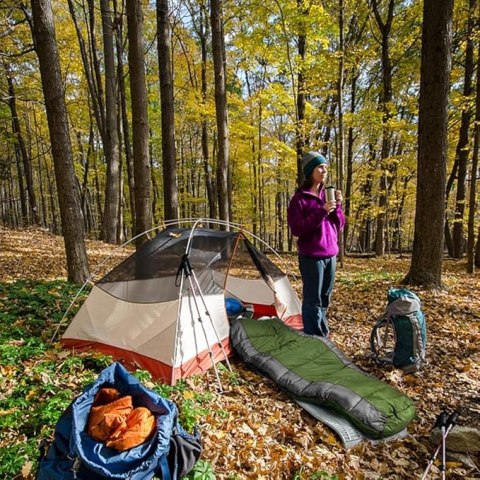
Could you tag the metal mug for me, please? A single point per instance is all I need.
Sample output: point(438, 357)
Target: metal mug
point(330, 194)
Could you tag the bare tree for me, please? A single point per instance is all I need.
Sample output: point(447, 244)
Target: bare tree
point(170, 192)
point(111, 143)
point(216, 20)
point(427, 255)
point(67, 184)
point(140, 134)
point(385, 27)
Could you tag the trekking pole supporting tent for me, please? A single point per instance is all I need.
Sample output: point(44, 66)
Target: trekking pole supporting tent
point(186, 270)
point(191, 275)
point(207, 313)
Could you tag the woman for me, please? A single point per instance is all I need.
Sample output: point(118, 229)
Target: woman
point(316, 222)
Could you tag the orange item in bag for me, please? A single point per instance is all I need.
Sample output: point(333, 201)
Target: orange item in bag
point(139, 426)
point(106, 419)
point(106, 395)
point(113, 420)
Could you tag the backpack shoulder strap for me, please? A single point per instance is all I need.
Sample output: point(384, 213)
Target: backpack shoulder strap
point(164, 468)
point(384, 322)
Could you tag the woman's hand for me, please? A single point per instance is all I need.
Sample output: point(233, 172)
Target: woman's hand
point(330, 206)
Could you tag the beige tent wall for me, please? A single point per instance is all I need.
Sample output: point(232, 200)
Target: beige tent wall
point(198, 330)
point(147, 328)
point(151, 328)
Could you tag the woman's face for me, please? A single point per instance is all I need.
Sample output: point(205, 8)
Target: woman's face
point(320, 173)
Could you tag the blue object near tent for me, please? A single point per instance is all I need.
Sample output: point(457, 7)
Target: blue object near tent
point(233, 306)
point(170, 453)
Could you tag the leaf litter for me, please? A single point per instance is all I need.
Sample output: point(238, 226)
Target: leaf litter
point(253, 430)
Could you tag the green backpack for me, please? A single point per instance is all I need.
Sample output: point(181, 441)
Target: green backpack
point(399, 337)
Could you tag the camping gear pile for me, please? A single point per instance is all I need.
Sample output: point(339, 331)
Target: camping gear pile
point(168, 451)
point(173, 308)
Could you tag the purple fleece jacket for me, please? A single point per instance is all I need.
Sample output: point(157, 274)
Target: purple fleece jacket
point(317, 230)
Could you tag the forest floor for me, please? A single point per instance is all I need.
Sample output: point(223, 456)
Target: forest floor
point(253, 430)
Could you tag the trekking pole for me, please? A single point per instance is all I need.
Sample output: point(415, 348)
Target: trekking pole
point(444, 452)
point(210, 353)
point(187, 271)
point(446, 424)
point(207, 313)
point(440, 422)
point(451, 421)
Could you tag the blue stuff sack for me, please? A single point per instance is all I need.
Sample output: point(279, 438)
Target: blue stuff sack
point(233, 306)
point(170, 453)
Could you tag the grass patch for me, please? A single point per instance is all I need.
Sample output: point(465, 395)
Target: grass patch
point(368, 279)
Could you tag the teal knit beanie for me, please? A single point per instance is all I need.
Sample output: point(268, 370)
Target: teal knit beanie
point(311, 160)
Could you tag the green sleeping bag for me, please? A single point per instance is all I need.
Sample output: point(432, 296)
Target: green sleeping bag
point(312, 369)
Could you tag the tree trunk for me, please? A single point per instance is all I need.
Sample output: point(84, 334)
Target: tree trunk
point(463, 149)
point(164, 45)
point(124, 118)
point(473, 259)
point(111, 144)
point(40, 172)
point(96, 95)
point(96, 73)
point(216, 19)
point(385, 100)
point(155, 189)
point(341, 139)
point(477, 250)
point(53, 208)
point(349, 179)
point(260, 197)
point(67, 186)
point(21, 148)
point(209, 184)
point(427, 255)
point(97, 186)
point(450, 181)
point(84, 161)
point(138, 90)
point(300, 93)
point(329, 109)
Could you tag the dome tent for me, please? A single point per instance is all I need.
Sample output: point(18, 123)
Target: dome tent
point(163, 307)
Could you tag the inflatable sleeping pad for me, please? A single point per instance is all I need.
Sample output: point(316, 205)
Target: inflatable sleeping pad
point(312, 369)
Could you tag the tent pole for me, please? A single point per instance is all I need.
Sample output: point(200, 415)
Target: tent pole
point(60, 323)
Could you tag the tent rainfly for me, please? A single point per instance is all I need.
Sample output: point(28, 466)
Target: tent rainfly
point(163, 308)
